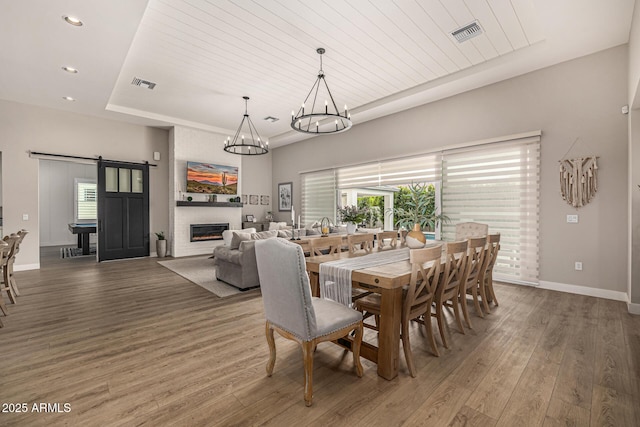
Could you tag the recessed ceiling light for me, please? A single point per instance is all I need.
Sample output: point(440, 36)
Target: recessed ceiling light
point(72, 20)
point(70, 70)
point(68, 98)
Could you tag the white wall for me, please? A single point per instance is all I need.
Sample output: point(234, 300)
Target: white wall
point(57, 185)
point(579, 99)
point(634, 162)
point(24, 127)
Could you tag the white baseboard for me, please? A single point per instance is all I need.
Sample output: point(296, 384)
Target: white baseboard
point(25, 267)
point(633, 308)
point(585, 290)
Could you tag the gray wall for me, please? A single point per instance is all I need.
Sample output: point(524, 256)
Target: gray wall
point(25, 127)
point(579, 99)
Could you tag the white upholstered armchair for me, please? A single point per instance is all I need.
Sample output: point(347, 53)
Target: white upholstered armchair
point(291, 310)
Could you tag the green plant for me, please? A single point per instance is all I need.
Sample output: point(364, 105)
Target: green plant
point(416, 205)
point(353, 214)
point(160, 235)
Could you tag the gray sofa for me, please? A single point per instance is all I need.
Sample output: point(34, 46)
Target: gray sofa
point(237, 267)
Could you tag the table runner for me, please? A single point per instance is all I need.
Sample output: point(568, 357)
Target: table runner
point(335, 276)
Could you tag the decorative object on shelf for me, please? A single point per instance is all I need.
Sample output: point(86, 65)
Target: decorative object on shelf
point(250, 218)
point(578, 180)
point(161, 245)
point(189, 199)
point(250, 146)
point(285, 196)
point(269, 216)
point(415, 238)
point(316, 119)
point(213, 197)
point(253, 199)
point(352, 216)
point(325, 226)
point(264, 200)
point(210, 178)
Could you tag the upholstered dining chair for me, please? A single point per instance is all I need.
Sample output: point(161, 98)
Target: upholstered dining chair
point(485, 282)
point(467, 230)
point(325, 245)
point(448, 290)
point(360, 243)
point(417, 298)
point(291, 310)
point(387, 240)
point(475, 268)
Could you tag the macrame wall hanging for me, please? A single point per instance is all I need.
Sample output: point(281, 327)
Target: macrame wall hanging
point(579, 180)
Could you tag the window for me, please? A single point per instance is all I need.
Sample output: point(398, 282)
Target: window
point(86, 200)
point(318, 196)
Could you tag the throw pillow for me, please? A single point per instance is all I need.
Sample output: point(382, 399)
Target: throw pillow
point(228, 234)
point(285, 234)
point(312, 232)
point(239, 237)
point(261, 235)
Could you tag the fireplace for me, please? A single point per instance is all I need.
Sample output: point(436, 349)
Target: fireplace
point(203, 232)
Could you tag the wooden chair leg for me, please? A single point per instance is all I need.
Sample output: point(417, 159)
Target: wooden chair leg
point(357, 343)
point(272, 348)
point(456, 312)
point(6, 285)
point(476, 301)
point(491, 290)
point(307, 355)
point(3, 307)
point(406, 346)
point(482, 288)
point(465, 310)
point(430, 337)
point(440, 318)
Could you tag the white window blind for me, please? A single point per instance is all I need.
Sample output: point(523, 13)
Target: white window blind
point(422, 168)
point(86, 198)
point(318, 196)
point(498, 185)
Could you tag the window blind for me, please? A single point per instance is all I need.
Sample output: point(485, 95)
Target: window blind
point(86, 201)
point(318, 196)
point(498, 185)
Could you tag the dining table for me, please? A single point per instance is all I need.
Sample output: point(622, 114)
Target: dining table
point(387, 280)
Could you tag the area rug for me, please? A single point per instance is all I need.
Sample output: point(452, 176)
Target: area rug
point(201, 271)
point(76, 252)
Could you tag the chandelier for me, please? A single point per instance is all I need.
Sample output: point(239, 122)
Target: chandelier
point(250, 146)
point(316, 119)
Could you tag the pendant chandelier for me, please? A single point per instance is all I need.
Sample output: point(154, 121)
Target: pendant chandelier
point(250, 146)
point(321, 119)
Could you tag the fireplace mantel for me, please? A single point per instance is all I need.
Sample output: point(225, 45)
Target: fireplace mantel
point(210, 204)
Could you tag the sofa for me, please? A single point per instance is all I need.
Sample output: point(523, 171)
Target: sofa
point(235, 260)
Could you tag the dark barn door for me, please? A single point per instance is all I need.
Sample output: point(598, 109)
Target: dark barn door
point(123, 210)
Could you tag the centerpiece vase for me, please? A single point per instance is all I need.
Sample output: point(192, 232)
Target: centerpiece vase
point(351, 228)
point(415, 238)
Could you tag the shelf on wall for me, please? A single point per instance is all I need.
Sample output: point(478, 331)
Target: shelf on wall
point(210, 204)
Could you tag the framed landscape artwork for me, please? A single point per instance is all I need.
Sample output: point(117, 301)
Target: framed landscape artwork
point(285, 196)
point(210, 178)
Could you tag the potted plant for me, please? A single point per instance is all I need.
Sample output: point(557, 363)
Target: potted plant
point(417, 212)
point(161, 244)
point(352, 215)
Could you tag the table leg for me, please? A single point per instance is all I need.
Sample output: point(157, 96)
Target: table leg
point(389, 336)
point(79, 240)
point(314, 281)
point(85, 243)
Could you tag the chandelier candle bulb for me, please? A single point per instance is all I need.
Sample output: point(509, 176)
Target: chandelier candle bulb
point(326, 107)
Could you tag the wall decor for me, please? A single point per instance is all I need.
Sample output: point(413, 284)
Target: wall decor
point(244, 199)
point(264, 200)
point(253, 199)
point(210, 178)
point(579, 180)
point(250, 218)
point(285, 196)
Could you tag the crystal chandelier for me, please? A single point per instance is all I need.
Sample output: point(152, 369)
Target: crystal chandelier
point(320, 119)
point(250, 146)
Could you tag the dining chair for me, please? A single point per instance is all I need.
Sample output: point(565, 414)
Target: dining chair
point(387, 240)
point(485, 283)
point(4, 248)
point(403, 238)
point(475, 267)
point(325, 245)
point(6, 263)
point(14, 285)
point(291, 310)
point(417, 298)
point(466, 230)
point(448, 290)
point(360, 243)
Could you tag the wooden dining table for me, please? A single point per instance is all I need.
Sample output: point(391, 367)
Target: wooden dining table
point(386, 280)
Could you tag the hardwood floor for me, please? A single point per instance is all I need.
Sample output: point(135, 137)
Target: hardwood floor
point(131, 343)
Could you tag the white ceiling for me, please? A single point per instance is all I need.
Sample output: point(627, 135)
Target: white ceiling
point(382, 56)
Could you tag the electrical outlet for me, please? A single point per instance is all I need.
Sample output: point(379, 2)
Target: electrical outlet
point(572, 219)
point(578, 266)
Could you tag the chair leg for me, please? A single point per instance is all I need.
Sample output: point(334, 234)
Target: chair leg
point(430, 337)
point(491, 291)
point(406, 346)
point(7, 285)
point(272, 348)
point(440, 318)
point(465, 311)
point(357, 343)
point(3, 307)
point(456, 312)
point(307, 355)
point(476, 302)
point(483, 294)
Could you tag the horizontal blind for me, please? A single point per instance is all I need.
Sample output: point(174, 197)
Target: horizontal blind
point(423, 168)
point(86, 201)
point(497, 185)
point(318, 196)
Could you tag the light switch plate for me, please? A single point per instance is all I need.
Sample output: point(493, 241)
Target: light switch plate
point(25, 217)
point(572, 219)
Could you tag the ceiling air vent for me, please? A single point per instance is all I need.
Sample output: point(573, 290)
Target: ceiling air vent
point(271, 119)
point(467, 32)
point(143, 83)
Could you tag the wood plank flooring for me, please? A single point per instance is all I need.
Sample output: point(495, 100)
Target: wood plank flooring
point(131, 343)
